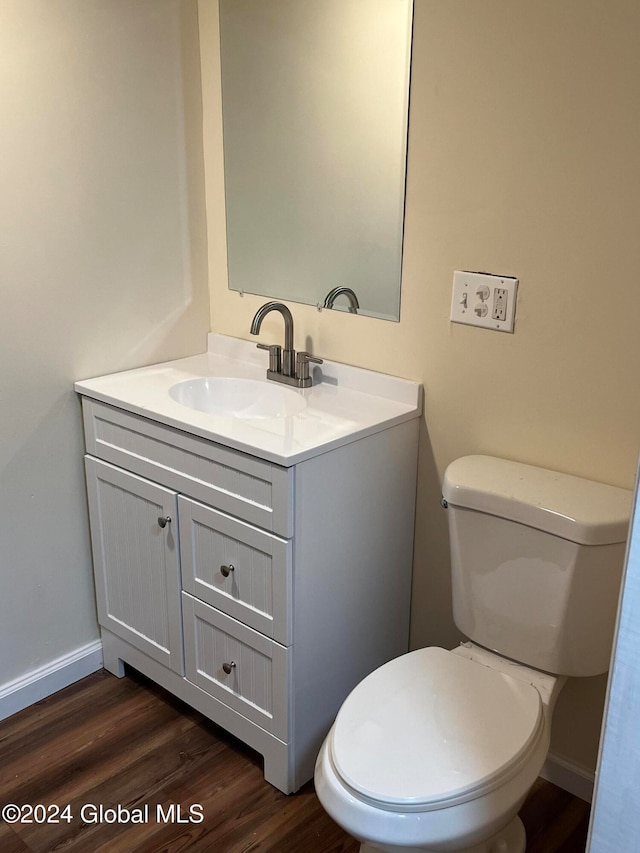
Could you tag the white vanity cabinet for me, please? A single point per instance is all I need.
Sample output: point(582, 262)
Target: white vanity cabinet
point(258, 593)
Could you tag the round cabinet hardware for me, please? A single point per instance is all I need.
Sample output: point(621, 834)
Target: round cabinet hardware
point(229, 666)
point(225, 571)
point(162, 522)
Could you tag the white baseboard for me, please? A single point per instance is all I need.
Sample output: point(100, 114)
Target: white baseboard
point(53, 676)
point(569, 776)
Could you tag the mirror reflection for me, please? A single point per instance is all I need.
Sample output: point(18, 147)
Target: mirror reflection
point(315, 106)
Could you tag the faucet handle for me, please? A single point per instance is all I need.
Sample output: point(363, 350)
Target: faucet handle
point(275, 356)
point(302, 366)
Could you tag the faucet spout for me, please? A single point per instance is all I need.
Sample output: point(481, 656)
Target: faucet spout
point(288, 353)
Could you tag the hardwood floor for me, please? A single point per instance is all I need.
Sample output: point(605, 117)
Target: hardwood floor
point(107, 741)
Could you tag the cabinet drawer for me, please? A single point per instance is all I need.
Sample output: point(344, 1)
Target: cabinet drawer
point(250, 488)
point(256, 685)
point(241, 570)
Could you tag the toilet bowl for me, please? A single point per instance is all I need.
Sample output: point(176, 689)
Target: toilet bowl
point(436, 751)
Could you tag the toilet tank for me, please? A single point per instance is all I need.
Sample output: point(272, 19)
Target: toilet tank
point(536, 559)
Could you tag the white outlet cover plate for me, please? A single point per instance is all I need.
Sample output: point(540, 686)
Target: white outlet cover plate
point(467, 306)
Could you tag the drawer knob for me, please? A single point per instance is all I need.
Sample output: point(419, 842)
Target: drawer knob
point(229, 666)
point(225, 571)
point(162, 522)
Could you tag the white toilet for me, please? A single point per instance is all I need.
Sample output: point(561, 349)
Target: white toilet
point(436, 750)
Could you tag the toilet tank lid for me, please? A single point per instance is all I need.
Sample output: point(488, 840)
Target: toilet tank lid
point(580, 510)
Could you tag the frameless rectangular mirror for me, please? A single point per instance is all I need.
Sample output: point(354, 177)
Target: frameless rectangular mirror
point(315, 109)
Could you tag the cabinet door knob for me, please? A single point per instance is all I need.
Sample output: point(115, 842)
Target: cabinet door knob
point(229, 666)
point(162, 522)
point(225, 571)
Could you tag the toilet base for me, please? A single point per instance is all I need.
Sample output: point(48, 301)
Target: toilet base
point(511, 839)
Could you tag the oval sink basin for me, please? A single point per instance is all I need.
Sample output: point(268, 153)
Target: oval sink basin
point(237, 398)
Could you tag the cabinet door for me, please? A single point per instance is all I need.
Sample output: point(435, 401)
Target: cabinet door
point(136, 562)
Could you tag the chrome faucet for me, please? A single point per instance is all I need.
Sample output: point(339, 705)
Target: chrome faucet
point(331, 297)
point(284, 365)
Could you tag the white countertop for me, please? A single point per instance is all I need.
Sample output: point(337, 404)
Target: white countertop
point(344, 404)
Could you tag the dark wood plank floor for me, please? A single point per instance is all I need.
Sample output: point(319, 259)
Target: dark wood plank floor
point(107, 741)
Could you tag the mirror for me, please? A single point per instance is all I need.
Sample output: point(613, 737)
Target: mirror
point(315, 109)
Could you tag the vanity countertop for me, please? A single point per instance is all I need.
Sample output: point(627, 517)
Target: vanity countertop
point(344, 404)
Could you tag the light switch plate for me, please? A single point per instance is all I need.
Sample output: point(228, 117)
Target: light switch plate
point(485, 300)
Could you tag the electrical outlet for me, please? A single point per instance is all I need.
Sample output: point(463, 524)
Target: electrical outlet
point(485, 300)
point(483, 292)
point(500, 301)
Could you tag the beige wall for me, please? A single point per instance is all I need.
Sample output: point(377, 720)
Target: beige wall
point(102, 267)
point(523, 160)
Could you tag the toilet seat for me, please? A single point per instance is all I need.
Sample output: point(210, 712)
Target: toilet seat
point(432, 729)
